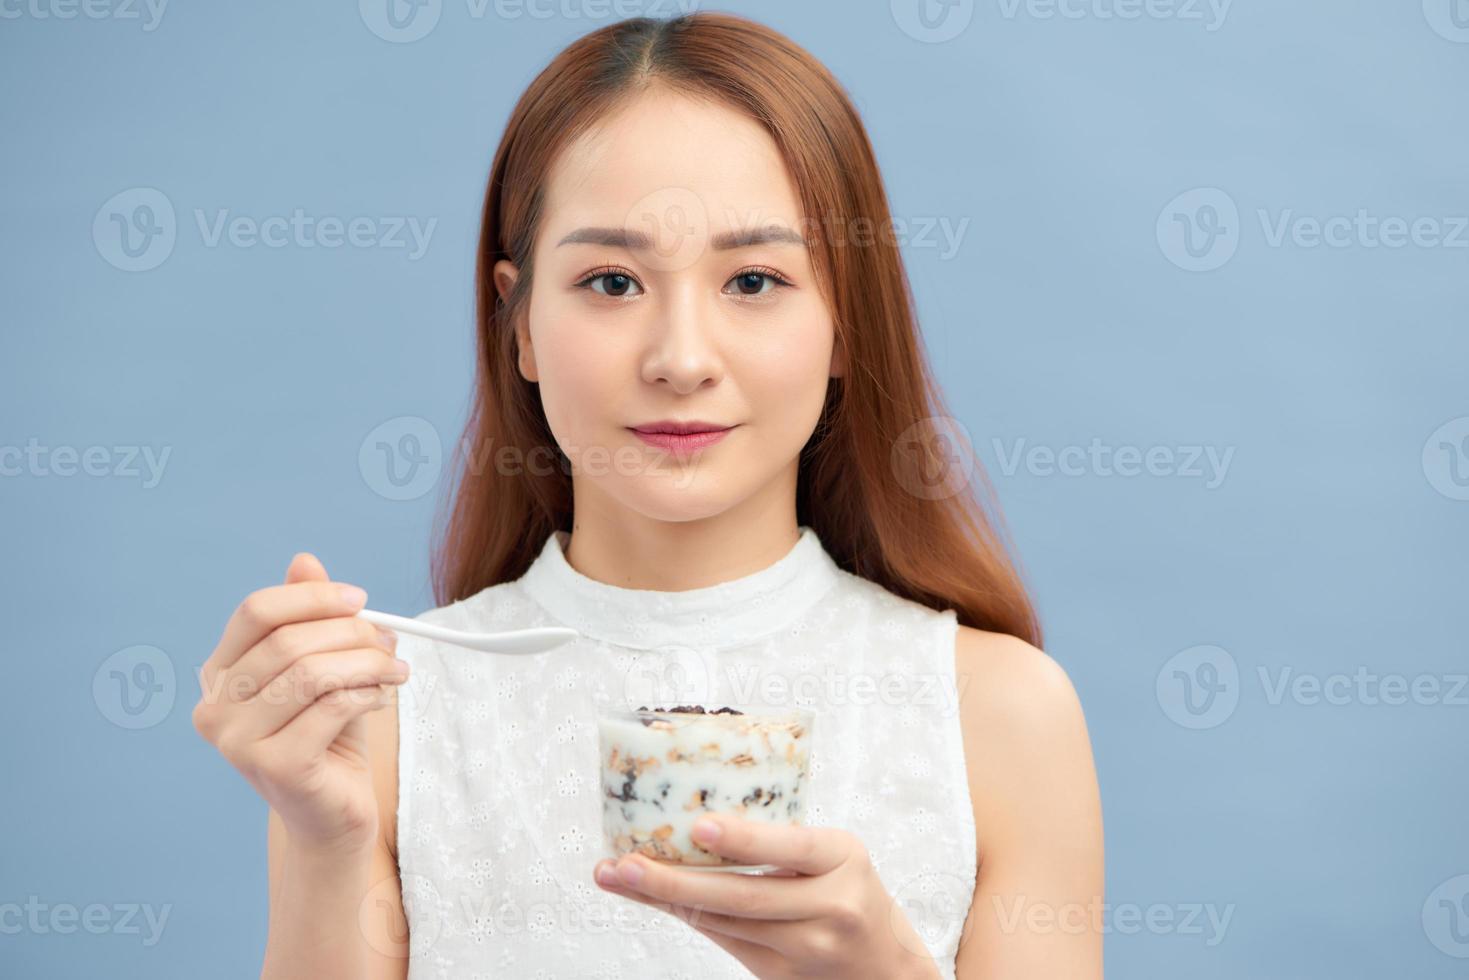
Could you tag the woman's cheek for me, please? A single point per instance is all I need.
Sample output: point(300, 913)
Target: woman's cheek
point(579, 384)
point(792, 379)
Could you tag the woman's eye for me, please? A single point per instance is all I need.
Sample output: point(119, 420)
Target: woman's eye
point(615, 284)
point(620, 285)
point(753, 283)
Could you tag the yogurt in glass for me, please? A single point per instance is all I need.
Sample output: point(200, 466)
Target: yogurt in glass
point(662, 768)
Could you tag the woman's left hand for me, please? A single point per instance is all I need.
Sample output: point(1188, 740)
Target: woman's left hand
point(833, 918)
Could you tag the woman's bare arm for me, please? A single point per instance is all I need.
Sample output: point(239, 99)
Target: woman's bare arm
point(1038, 901)
point(336, 915)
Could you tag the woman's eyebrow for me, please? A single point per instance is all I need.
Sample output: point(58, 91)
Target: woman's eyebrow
point(641, 241)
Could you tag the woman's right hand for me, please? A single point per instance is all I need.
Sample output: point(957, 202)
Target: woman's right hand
point(284, 695)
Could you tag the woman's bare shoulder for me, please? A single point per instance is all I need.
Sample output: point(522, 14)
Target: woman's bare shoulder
point(998, 672)
point(1026, 747)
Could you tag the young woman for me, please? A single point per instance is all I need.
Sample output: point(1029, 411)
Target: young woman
point(684, 225)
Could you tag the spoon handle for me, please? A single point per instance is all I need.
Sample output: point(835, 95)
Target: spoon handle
point(402, 623)
point(533, 640)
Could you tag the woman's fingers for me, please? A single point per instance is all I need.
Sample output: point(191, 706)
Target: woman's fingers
point(300, 685)
point(288, 644)
point(751, 941)
point(808, 850)
point(307, 737)
point(731, 894)
point(266, 609)
point(306, 567)
point(762, 932)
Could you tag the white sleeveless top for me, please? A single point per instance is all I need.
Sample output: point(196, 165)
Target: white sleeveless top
point(499, 809)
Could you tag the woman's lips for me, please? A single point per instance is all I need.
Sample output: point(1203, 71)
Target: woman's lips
point(682, 443)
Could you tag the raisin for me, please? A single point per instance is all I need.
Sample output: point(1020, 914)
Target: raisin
point(692, 709)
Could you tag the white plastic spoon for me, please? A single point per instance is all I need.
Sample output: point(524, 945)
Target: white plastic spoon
point(533, 640)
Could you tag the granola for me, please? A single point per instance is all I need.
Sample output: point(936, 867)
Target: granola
point(662, 767)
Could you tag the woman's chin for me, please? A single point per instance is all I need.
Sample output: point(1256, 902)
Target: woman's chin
point(675, 497)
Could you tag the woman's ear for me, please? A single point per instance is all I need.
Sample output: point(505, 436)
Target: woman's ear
point(506, 274)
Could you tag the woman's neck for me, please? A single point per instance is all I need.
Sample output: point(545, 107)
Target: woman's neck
point(633, 551)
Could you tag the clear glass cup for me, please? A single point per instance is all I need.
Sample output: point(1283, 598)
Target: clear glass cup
point(661, 769)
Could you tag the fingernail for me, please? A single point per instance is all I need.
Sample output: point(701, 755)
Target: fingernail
point(353, 596)
point(605, 875)
point(387, 638)
point(705, 831)
point(630, 872)
point(399, 668)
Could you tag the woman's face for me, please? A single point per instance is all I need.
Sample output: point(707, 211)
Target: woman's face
point(651, 303)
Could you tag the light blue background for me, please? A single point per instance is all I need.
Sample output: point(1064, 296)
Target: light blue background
point(1062, 318)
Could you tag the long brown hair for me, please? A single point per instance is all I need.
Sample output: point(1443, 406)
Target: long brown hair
point(866, 477)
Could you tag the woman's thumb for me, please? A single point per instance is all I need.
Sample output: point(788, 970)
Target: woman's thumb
point(305, 568)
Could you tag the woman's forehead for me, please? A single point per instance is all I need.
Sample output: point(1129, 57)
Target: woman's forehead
point(678, 158)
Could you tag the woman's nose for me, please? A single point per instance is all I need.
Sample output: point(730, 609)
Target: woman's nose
point(682, 350)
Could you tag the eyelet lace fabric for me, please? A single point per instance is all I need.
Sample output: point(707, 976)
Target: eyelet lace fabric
point(499, 795)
